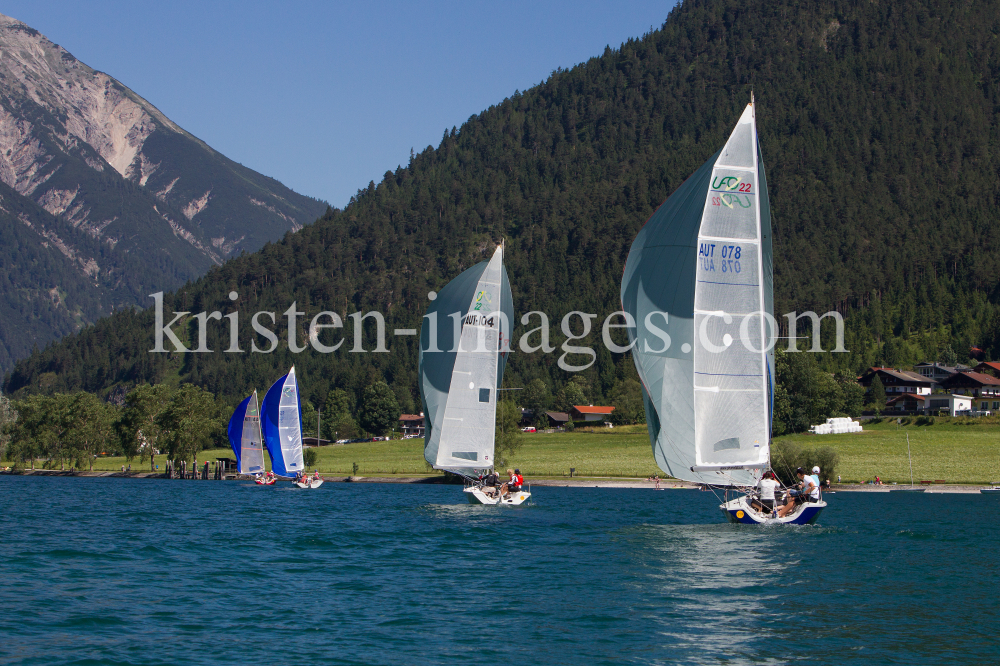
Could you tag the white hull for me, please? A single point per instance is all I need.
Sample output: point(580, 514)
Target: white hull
point(740, 511)
point(514, 498)
point(312, 483)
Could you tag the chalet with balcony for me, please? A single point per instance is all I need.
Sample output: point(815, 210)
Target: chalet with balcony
point(897, 382)
point(907, 402)
point(984, 389)
point(937, 372)
point(411, 424)
point(988, 368)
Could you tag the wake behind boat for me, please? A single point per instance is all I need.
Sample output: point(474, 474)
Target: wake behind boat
point(699, 275)
point(460, 379)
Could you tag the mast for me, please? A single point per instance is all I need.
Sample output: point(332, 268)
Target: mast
point(908, 457)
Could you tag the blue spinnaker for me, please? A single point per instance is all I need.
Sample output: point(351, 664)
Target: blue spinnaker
point(282, 418)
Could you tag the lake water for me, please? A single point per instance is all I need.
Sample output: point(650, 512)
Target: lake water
point(103, 570)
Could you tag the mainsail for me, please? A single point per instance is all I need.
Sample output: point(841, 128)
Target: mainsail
point(245, 437)
point(283, 426)
point(464, 342)
point(698, 282)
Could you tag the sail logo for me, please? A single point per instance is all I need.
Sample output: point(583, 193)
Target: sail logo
point(288, 391)
point(728, 182)
point(483, 298)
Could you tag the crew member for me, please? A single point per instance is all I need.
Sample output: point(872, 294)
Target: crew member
point(768, 484)
point(803, 489)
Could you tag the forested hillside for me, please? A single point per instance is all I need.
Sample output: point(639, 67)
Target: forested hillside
point(879, 128)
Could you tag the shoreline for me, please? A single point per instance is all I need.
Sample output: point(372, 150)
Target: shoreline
point(576, 482)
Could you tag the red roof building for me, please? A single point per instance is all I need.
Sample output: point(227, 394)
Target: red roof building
point(984, 388)
point(590, 413)
point(411, 424)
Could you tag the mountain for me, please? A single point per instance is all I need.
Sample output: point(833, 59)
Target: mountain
point(881, 138)
point(114, 198)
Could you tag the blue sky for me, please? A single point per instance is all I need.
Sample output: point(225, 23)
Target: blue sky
point(326, 96)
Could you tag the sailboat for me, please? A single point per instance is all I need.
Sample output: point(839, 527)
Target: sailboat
point(698, 282)
point(464, 343)
point(282, 412)
point(912, 488)
point(246, 439)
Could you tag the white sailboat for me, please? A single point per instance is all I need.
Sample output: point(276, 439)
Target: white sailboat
point(699, 276)
point(461, 370)
point(245, 437)
point(282, 411)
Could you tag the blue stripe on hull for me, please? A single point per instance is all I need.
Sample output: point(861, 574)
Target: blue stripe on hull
point(807, 517)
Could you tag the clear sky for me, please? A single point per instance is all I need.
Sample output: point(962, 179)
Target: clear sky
point(326, 96)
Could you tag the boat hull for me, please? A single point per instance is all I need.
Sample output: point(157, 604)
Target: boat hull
point(990, 491)
point(264, 482)
point(312, 483)
point(515, 498)
point(739, 511)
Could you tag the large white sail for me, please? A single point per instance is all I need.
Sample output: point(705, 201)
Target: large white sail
point(699, 276)
point(251, 441)
point(461, 419)
point(283, 426)
point(731, 385)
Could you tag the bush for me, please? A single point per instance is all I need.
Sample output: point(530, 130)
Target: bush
point(786, 457)
point(826, 459)
point(309, 457)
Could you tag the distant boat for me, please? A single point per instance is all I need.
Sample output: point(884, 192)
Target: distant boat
point(700, 271)
point(282, 417)
point(459, 380)
point(912, 488)
point(245, 437)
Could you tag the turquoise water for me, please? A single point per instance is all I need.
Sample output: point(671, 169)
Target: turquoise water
point(117, 571)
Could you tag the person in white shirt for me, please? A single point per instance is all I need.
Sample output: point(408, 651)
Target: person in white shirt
point(815, 477)
point(767, 485)
point(807, 490)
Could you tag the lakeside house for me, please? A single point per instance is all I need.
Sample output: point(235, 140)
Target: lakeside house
point(557, 419)
point(897, 381)
point(985, 389)
point(591, 413)
point(937, 372)
point(955, 404)
point(909, 403)
point(988, 368)
point(411, 424)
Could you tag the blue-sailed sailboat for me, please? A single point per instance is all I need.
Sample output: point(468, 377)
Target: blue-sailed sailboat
point(245, 437)
point(282, 419)
point(460, 378)
point(699, 277)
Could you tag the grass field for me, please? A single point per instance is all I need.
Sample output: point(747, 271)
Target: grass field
point(949, 451)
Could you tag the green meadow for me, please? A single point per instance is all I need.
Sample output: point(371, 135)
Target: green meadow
point(950, 450)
